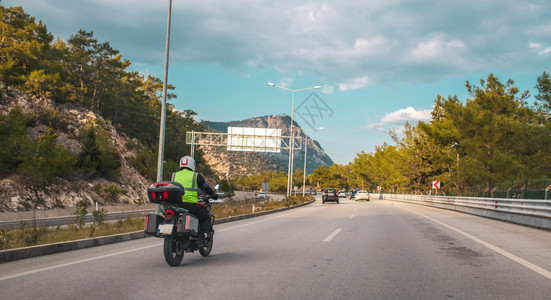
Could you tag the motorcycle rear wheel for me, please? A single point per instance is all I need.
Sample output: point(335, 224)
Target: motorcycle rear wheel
point(173, 250)
point(205, 250)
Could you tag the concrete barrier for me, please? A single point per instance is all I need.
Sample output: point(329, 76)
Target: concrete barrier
point(33, 251)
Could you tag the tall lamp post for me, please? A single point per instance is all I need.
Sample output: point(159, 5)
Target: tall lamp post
point(305, 153)
point(163, 106)
point(292, 141)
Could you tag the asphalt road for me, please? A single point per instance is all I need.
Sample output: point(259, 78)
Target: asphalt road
point(365, 250)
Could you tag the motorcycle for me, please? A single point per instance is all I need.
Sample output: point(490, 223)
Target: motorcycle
point(176, 225)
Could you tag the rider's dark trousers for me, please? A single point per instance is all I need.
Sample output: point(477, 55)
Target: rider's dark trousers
point(202, 214)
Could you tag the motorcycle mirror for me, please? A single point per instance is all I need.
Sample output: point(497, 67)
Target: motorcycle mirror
point(217, 187)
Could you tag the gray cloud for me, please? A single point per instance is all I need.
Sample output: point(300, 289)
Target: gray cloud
point(344, 43)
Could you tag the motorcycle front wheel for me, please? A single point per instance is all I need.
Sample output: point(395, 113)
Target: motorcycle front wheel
point(173, 250)
point(205, 250)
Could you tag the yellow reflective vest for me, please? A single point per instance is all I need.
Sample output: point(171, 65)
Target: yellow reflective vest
point(188, 179)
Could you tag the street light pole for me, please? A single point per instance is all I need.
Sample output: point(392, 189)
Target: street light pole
point(292, 152)
point(305, 156)
point(163, 106)
point(292, 142)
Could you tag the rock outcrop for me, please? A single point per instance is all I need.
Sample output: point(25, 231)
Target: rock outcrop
point(231, 164)
point(16, 194)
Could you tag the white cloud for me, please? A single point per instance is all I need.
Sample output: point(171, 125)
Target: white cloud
point(354, 85)
point(395, 120)
point(541, 50)
point(408, 114)
point(327, 89)
point(374, 126)
point(437, 49)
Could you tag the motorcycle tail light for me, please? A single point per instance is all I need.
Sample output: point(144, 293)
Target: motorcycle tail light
point(169, 213)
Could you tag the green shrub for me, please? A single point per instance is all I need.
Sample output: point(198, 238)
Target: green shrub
point(52, 118)
point(113, 192)
point(99, 216)
point(92, 230)
point(145, 163)
point(47, 161)
point(5, 239)
point(98, 157)
point(16, 144)
point(119, 224)
point(81, 212)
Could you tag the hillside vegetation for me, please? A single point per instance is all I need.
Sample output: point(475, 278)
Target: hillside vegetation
point(493, 136)
point(73, 112)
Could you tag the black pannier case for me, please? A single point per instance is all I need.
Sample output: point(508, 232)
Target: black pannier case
point(152, 222)
point(168, 191)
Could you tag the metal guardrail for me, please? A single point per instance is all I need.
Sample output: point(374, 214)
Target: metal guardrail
point(65, 220)
point(536, 213)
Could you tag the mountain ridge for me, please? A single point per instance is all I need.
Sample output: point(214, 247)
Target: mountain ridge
point(230, 164)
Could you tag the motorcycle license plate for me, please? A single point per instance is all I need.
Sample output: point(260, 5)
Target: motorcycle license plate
point(165, 229)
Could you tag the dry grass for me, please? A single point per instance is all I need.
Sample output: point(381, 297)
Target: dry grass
point(10, 239)
point(235, 208)
point(25, 236)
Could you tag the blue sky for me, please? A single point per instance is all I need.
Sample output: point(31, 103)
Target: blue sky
point(380, 62)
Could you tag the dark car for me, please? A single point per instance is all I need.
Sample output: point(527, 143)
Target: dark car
point(313, 192)
point(353, 193)
point(329, 194)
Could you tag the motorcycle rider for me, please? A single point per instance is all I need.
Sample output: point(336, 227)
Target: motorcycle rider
point(192, 182)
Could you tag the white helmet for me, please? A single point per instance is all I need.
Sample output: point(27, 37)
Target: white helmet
point(187, 162)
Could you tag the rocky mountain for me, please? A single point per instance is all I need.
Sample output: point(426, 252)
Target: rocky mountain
point(16, 194)
point(231, 164)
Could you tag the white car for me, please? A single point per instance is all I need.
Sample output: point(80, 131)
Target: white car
point(261, 195)
point(361, 195)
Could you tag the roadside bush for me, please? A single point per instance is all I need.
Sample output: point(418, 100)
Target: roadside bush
point(47, 160)
point(92, 230)
point(5, 239)
point(81, 212)
point(113, 192)
point(99, 216)
point(98, 157)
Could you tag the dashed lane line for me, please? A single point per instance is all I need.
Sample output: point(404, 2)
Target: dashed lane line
point(332, 235)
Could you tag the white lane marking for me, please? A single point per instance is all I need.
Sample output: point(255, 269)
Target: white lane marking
point(351, 217)
point(75, 262)
point(509, 255)
point(332, 235)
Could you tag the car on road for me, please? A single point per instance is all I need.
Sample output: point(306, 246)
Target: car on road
point(261, 195)
point(313, 193)
point(361, 195)
point(329, 194)
point(342, 194)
